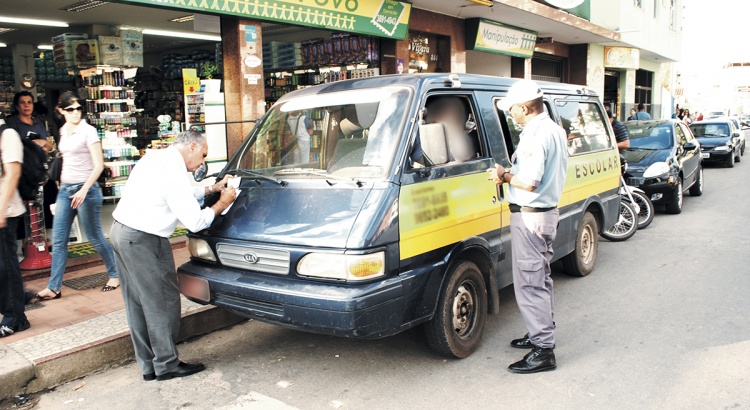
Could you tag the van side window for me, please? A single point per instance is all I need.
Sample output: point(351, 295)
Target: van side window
point(512, 130)
point(584, 124)
point(455, 116)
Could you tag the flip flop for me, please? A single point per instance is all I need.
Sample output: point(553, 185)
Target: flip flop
point(58, 295)
point(108, 288)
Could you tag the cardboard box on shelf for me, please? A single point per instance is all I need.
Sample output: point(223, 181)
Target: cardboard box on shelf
point(110, 50)
point(85, 52)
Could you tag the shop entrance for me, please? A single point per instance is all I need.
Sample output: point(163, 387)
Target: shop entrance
point(611, 97)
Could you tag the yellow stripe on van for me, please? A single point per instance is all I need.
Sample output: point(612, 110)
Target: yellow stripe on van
point(437, 213)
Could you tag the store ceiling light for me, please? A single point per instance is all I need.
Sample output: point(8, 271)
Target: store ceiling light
point(84, 5)
point(44, 47)
point(194, 36)
point(183, 19)
point(32, 22)
point(6, 29)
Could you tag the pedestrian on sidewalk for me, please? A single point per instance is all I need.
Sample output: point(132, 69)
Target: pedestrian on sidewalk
point(12, 299)
point(534, 188)
point(79, 194)
point(157, 196)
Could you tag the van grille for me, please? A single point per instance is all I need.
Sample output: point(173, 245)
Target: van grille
point(254, 258)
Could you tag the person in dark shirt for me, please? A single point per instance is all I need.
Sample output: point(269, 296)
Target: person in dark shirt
point(621, 132)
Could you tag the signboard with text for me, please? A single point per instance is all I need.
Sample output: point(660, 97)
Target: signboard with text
point(384, 18)
point(493, 37)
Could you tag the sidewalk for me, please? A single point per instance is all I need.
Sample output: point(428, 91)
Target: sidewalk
point(85, 330)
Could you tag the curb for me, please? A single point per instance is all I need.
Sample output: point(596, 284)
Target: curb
point(21, 375)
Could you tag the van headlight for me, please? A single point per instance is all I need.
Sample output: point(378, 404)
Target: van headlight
point(200, 249)
point(343, 267)
point(656, 169)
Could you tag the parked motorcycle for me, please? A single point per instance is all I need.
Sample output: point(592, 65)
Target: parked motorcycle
point(627, 222)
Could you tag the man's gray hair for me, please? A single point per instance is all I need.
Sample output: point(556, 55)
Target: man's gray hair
point(188, 136)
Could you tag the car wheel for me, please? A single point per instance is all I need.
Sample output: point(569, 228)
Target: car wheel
point(742, 151)
point(730, 161)
point(582, 260)
point(697, 188)
point(457, 327)
point(675, 207)
point(738, 157)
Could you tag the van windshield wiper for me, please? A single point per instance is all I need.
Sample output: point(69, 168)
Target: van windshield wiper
point(320, 173)
point(254, 175)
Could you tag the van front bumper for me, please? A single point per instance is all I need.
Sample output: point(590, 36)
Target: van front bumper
point(369, 310)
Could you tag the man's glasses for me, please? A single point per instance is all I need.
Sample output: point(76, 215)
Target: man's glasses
point(72, 109)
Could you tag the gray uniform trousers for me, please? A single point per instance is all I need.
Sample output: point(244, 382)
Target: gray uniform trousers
point(532, 235)
point(151, 294)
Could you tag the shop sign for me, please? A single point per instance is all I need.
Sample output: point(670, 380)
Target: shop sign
point(191, 83)
point(494, 37)
point(622, 57)
point(384, 18)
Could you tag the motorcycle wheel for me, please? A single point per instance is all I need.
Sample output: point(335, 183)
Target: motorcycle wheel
point(646, 216)
point(626, 225)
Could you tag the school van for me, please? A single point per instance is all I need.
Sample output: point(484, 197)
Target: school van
point(365, 208)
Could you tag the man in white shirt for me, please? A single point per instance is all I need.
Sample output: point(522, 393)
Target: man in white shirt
point(157, 196)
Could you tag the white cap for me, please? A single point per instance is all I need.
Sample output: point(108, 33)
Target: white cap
point(520, 92)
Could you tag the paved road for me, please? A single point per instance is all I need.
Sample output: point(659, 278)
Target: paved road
point(661, 323)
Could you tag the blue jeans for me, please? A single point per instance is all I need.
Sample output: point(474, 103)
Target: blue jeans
point(89, 215)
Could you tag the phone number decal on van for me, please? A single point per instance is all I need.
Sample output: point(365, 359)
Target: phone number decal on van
point(596, 167)
point(429, 205)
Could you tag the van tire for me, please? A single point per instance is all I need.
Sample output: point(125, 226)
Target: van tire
point(582, 260)
point(456, 332)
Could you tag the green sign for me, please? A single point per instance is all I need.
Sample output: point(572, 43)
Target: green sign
point(384, 18)
point(494, 37)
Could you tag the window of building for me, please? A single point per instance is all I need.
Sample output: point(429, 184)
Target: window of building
point(547, 68)
point(638, 3)
point(584, 124)
point(672, 15)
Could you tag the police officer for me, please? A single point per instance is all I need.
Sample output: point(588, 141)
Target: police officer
point(536, 182)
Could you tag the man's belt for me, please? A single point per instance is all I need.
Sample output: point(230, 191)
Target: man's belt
point(518, 208)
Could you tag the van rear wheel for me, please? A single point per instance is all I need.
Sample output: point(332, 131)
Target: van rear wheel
point(458, 325)
point(582, 260)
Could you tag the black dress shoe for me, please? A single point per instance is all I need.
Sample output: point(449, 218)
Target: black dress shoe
point(150, 376)
point(182, 370)
point(522, 343)
point(537, 360)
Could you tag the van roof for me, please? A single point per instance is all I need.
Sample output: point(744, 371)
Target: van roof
point(417, 81)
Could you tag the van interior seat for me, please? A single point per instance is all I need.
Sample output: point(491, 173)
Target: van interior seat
point(349, 152)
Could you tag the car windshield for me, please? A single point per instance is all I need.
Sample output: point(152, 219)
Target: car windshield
point(650, 135)
point(348, 134)
point(710, 130)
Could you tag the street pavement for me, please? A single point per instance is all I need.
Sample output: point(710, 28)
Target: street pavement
point(660, 324)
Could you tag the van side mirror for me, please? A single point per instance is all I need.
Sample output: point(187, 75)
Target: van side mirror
point(434, 145)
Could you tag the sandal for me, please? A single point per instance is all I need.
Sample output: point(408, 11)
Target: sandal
point(58, 295)
point(108, 288)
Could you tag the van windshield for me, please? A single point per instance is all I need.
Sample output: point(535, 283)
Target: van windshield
point(351, 134)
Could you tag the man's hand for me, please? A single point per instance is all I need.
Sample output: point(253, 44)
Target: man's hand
point(228, 195)
point(46, 145)
point(221, 184)
point(496, 173)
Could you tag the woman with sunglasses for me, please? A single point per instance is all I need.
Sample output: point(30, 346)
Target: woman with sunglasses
point(79, 194)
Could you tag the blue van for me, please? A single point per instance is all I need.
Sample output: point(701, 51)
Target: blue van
point(365, 207)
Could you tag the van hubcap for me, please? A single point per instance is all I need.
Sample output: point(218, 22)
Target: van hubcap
point(463, 309)
point(587, 244)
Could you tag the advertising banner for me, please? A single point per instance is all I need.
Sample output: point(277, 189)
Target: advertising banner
point(493, 37)
point(384, 18)
point(622, 57)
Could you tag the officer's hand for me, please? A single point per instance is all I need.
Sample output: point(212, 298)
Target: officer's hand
point(221, 184)
point(495, 173)
point(228, 195)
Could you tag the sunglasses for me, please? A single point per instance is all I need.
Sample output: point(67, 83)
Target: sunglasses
point(72, 109)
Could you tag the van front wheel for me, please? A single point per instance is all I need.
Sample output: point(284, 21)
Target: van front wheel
point(457, 327)
point(582, 260)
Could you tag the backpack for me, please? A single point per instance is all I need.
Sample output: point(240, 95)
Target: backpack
point(33, 169)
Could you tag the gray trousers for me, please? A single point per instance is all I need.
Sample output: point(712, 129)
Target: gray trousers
point(151, 294)
point(532, 235)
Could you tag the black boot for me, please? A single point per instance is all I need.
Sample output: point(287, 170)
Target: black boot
point(537, 360)
point(522, 343)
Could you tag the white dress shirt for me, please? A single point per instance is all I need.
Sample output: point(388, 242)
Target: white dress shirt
point(158, 195)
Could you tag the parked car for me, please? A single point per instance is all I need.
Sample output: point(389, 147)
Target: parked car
point(738, 126)
point(720, 141)
point(664, 159)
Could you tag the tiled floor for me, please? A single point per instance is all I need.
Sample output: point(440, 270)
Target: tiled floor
point(75, 306)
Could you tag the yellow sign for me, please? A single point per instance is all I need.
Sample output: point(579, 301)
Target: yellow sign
point(622, 57)
point(191, 83)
